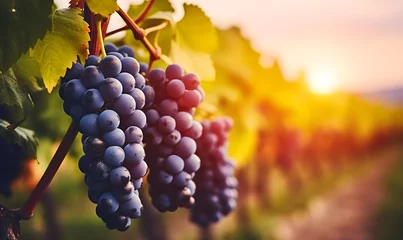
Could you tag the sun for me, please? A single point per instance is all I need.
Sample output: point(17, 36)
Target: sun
point(322, 81)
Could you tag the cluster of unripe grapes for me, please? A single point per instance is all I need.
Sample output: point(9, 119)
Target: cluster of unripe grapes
point(114, 102)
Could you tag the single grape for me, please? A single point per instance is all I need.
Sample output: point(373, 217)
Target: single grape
point(92, 77)
point(166, 124)
point(190, 99)
point(137, 183)
point(114, 138)
point(89, 126)
point(140, 81)
point(175, 88)
point(137, 118)
point(108, 204)
point(74, 72)
point(124, 105)
point(116, 54)
point(152, 136)
point(127, 49)
point(132, 208)
point(156, 77)
point(99, 171)
point(94, 195)
point(168, 107)
point(173, 164)
point(152, 117)
point(133, 134)
point(181, 179)
point(183, 121)
point(110, 66)
point(73, 91)
point(172, 138)
point(110, 89)
point(120, 176)
point(84, 163)
point(124, 193)
point(108, 120)
point(127, 80)
point(139, 97)
point(162, 202)
point(114, 156)
point(77, 111)
point(139, 170)
point(174, 71)
point(191, 81)
point(164, 150)
point(110, 47)
point(92, 100)
point(185, 147)
point(195, 130)
point(130, 65)
point(165, 178)
point(149, 94)
point(192, 187)
point(143, 68)
point(92, 60)
point(134, 154)
point(192, 164)
point(94, 147)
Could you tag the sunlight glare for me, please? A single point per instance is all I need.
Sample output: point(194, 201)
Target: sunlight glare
point(322, 81)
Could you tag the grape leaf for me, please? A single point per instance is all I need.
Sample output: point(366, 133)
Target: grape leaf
point(15, 102)
point(27, 72)
point(59, 49)
point(22, 23)
point(196, 31)
point(192, 61)
point(103, 7)
point(22, 137)
point(159, 6)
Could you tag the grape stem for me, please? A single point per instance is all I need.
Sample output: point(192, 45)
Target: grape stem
point(26, 212)
point(117, 30)
point(100, 38)
point(139, 34)
point(143, 15)
point(155, 28)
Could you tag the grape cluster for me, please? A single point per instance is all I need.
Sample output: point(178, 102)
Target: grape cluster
point(170, 137)
point(216, 185)
point(105, 99)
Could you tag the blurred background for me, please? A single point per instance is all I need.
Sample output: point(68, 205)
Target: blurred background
point(316, 92)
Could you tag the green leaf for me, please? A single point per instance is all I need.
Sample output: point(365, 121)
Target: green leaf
point(192, 61)
point(22, 137)
point(103, 7)
point(26, 69)
point(15, 102)
point(59, 49)
point(196, 31)
point(22, 23)
point(159, 6)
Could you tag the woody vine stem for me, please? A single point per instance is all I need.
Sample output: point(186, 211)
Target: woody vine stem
point(98, 32)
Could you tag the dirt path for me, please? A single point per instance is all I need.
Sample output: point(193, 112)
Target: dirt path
point(346, 213)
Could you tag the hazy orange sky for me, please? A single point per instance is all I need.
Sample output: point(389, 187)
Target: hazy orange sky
point(359, 41)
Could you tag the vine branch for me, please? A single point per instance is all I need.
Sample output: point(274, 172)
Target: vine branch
point(143, 15)
point(27, 210)
point(155, 28)
point(139, 34)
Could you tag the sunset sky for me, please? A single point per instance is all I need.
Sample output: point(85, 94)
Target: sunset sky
point(360, 42)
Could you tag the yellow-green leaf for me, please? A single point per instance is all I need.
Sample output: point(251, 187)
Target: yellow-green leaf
point(192, 61)
point(60, 48)
point(196, 31)
point(103, 7)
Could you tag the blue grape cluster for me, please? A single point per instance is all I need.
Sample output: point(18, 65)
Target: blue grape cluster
point(170, 137)
point(105, 98)
point(216, 185)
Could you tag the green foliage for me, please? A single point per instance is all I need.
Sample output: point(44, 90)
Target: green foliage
point(102, 7)
point(59, 48)
point(22, 23)
point(15, 101)
point(159, 6)
point(22, 137)
point(26, 69)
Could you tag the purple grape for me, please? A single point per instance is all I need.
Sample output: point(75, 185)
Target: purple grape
point(130, 65)
point(108, 120)
point(175, 88)
point(110, 89)
point(110, 66)
point(174, 71)
point(124, 105)
point(92, 77)
point(185, 147)
point(127, 81)
point(114, 138)
point(173, 164)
